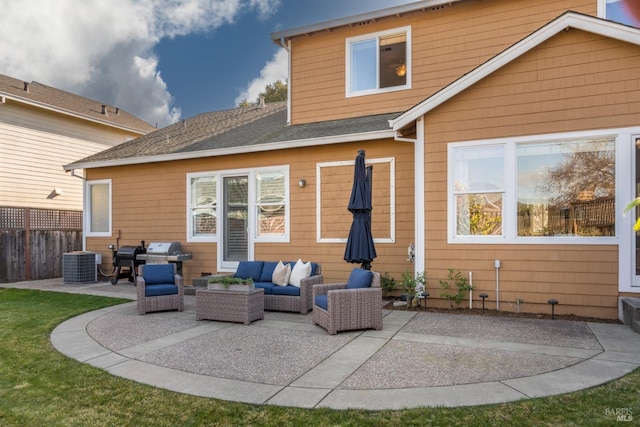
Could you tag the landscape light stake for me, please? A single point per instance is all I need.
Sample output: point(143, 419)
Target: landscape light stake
point(483, 296)
point(553, 303)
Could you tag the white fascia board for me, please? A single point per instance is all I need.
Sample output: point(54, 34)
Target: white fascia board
point(565, 22)
point(66, 112)
point(368, 16)
point(339, 139)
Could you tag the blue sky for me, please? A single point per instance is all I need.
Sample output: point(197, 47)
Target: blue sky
point(162, 60)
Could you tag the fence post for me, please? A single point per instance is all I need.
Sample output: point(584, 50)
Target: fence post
point(27, 244)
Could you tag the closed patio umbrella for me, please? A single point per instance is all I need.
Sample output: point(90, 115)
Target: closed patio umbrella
point(360, 247)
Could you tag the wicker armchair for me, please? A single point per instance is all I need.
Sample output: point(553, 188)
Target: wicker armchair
point(348, 309)
point(159, 288)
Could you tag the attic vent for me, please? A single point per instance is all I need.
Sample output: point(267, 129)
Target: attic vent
point(104, 109)
point(26, 86)
point(361, 23)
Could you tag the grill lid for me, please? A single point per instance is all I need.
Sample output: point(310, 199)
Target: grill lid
point(130, 250)
point(164, 248)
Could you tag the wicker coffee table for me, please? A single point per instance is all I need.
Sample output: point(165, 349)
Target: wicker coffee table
point(230, 306)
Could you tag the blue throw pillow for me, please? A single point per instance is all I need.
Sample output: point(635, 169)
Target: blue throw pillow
point(157, 273)
point(359, 278)
point(249, 269)
point(267, 271)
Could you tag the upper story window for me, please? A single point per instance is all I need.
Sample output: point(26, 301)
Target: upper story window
point(379, 62)
point(623, 11)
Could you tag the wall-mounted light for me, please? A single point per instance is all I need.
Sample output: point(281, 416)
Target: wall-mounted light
point(55, 193)
point(302, 183)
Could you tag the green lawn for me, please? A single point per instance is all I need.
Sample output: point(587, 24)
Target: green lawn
point(41, 387)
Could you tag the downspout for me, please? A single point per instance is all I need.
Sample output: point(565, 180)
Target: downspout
point(84, 198)
point(286, 44)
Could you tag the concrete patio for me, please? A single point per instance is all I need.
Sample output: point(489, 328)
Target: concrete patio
point(418, 359)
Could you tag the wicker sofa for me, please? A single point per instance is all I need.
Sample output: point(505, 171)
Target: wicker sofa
point(280, 298)
point(356, 304)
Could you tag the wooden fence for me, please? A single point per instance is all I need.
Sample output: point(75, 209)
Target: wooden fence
point(32, 242)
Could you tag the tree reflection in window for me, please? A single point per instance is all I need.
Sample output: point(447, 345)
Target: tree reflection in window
point(567, 188)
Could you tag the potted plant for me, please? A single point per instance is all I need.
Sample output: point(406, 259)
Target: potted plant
point(414, 287)
point(230, 283)
point(387, 283)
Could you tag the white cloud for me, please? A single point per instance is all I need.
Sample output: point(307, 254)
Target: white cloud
point(104, 49)
point(276, 69)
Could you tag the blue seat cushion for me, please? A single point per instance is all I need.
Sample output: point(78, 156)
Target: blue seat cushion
point(322, 301)
point(249, 269)
point(359, 278)
point(267, 286)
point(157, 273)
point(267, 271)
point(159, 289)
point(286, 290)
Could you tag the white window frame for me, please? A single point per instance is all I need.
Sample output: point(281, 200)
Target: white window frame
point(253, 220)
point(377, 36)
point(284, 238)
point(602, 9)
point(509, 220)
point(88, 209)
point(190, 232)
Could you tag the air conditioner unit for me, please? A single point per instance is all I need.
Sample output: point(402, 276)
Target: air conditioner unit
point(79, 267)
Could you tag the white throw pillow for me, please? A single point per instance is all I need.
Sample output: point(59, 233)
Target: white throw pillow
point(281, 274)
point(299, 272)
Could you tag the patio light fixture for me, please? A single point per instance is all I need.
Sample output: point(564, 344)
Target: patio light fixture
point(302, 183)
point(483, 296)
point(553, 303)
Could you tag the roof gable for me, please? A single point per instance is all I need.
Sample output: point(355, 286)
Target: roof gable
point(565, 21)
point(60, 101)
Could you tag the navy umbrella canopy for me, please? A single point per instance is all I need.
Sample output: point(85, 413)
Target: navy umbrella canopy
point(360, 247)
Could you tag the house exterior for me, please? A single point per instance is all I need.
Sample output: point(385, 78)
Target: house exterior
point(42, 127)
point(502, 137)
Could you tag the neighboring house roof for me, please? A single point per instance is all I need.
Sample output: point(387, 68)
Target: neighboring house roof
point(564, 22)
point(239, 130)
point(424, 5)
point(47, 97)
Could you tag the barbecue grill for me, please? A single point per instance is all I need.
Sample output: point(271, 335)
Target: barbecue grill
point(164, 252)
point(126, 262)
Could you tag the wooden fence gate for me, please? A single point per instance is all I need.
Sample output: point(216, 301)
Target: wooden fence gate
point(32, 242)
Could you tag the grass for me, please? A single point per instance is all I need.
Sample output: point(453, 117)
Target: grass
point(39, 386)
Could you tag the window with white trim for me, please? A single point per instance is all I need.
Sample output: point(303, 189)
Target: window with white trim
point(98, 208)
point(518, 191)
point(268, 197)
point(203, 205)
point(479, 190)
point(270, 204)
point(623, 11)
point(379, 62)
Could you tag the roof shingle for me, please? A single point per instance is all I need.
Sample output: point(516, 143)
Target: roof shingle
point(70, 103)
point(239, 128)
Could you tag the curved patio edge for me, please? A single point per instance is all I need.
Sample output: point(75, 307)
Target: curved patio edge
point(620, 355)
